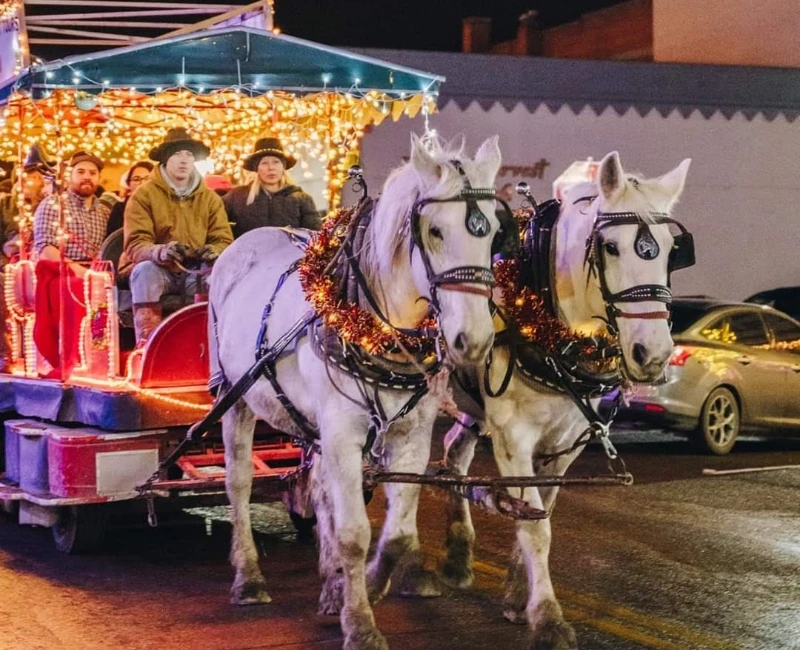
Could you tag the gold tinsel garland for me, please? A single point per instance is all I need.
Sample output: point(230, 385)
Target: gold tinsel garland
point(527, 312)
point(352, 323)
point(524, 309)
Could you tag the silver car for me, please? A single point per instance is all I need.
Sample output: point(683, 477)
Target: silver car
point(735, 366)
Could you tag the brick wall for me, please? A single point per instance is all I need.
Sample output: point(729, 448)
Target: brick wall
point(621, 32)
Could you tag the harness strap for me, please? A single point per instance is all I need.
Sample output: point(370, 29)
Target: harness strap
point(226, 400)
point(511, 336)
point(358, 275)
point(646, 315)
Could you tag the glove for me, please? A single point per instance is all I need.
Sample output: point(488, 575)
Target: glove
point(168, 253)
point(206, 254)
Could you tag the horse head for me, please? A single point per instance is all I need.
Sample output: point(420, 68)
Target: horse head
point(432, 240)
point(621, 251)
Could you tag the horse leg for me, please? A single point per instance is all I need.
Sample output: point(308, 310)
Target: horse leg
point(238, 426)
point(549, 629)
point(516, 582)
point(342, 473)
point(399, 543)
point(459, 446)
point(330, 568)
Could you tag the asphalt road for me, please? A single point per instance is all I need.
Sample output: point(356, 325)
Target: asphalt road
point(678, 561)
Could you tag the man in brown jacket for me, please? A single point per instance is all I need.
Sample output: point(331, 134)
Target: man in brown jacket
point(170, 218)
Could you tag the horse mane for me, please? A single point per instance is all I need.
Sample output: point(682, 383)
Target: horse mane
point(388, 234)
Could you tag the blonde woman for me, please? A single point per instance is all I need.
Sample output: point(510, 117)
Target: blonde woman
point(272, 199)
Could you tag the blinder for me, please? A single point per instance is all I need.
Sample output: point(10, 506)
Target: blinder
point(681, 256)
point(478, 225)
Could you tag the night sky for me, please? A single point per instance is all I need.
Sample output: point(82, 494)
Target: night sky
point(391, 24)
point(414, 24)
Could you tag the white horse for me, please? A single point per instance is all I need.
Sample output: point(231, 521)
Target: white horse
point(401, 277)
point(527, 422)
point(622, 217)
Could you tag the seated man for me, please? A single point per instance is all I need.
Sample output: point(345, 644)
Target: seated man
point(84, 220)
point(172, 217)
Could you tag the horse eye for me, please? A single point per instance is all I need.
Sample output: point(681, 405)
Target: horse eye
point(611, 249)
point(435, 233)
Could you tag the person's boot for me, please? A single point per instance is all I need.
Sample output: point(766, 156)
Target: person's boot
point(146, 317)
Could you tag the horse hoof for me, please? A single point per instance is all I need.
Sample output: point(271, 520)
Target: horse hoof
point(516, 616)
point(367, 640)
point(377, 593)
point(420, 584)
point(456, 576)
point(250, 593)
point(554, 634)
point(331, 599)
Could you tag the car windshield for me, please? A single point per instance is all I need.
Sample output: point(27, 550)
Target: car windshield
point(684, 315)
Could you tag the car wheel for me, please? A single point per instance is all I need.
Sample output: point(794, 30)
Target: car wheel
point(719, 422)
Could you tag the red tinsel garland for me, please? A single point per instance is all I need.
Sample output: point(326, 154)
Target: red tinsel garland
point(357, 326)
point(352, 323)
point(527, 312)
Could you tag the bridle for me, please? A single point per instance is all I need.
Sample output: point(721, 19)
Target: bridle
point(461, 278)
point(646, 247)
point(457, 279)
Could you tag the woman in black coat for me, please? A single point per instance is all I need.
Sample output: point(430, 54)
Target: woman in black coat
point(131, 179)
point(271, 199)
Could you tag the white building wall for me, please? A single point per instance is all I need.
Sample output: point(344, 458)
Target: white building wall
point(742, 200)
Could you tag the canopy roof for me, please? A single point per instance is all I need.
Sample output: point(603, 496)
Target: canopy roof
point(238, 57)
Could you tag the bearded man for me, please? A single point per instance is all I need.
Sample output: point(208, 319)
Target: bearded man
point(85, 219)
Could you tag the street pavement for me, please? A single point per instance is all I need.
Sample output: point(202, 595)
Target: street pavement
point(678, 561)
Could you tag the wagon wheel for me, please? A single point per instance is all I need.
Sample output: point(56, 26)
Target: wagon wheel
point(80, 529)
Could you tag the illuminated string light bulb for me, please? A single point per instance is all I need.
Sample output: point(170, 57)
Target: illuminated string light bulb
point(125, 124)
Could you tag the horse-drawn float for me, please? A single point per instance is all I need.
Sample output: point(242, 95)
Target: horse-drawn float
point(77, 447)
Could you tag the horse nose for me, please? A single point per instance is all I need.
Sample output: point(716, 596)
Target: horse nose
point(473, 351)
point(639, 353)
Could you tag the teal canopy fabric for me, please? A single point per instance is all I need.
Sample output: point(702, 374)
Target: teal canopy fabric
point(253, 59)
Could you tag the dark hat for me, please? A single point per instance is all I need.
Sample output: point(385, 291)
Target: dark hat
point(83, 156)
point(178, 139)
point(268, 147)
point(35, 162)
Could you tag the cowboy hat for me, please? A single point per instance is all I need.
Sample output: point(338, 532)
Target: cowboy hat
point(268, 147)
point(178, 139)
point(35, 162)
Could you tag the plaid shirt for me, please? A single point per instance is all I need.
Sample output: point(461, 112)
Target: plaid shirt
point(86, 227)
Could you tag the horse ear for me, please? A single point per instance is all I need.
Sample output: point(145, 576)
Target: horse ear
point(489, 156)
point(457, 144)
point(610, 177)
point(421, 159)
point(673, 181)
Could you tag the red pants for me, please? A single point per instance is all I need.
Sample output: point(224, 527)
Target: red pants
point(46, 327)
